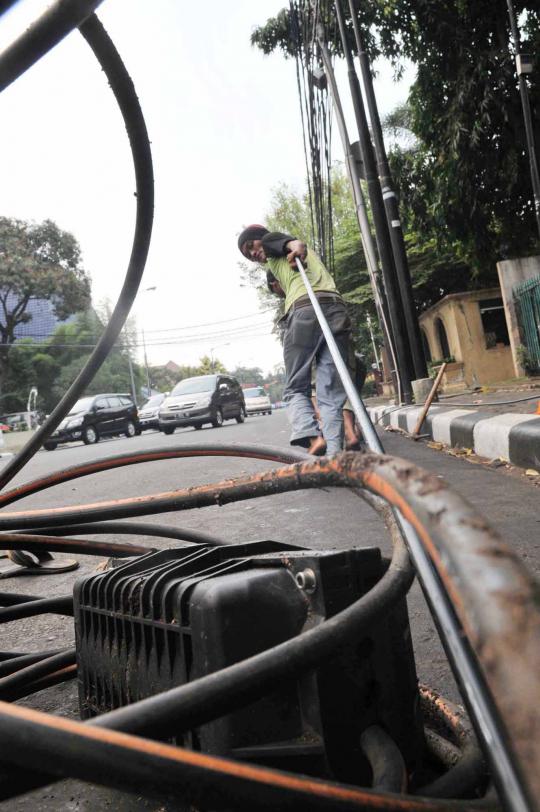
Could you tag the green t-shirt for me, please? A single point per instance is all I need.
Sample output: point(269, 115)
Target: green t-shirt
point(291, 281)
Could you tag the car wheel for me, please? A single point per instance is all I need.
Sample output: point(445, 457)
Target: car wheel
point(168, 430)
point(197, 426)
point(131, 429)
point(90, 435)
point(240, 417)
point(217, 422)
point(50, 446)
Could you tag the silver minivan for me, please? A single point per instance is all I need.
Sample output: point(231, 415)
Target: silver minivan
point(204, 399)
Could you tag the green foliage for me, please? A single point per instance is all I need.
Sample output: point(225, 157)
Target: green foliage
point(163, 379)
point(436, 266)
point(466, 184)
point(210, 365)
point(526, 360)
point(113, 376)
point(253, 375)
point(54, 364)
point(37, 261)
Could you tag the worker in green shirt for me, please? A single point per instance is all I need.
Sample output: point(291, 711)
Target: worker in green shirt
point(303, 341)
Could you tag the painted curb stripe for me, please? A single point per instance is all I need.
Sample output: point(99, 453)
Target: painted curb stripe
point(519, 443)
point(441, 423)
point(491, 437)
point(524, 444)
point(462, 429)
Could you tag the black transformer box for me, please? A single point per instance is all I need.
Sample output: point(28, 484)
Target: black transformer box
point(169, 617)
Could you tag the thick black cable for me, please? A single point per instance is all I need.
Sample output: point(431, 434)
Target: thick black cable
point(46, 32)
point(124, 92)
point(134, 528)
point(16, 663)
point(59, 606)
point(37, 543)
point(389, 772)
point(67, 748)
point(12, 599)
point(36, 670)
point(51, 679)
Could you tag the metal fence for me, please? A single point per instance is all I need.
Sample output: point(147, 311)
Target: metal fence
point(527, 298)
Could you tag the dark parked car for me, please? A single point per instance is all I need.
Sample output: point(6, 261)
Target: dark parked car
point(94, 417)
point(205, 399)
point(148, 414)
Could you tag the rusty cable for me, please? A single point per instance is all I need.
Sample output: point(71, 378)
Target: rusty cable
point(455, 538)
point(245, 451)
point(67, 748)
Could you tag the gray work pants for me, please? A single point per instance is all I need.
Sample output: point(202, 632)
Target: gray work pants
point(303, 345)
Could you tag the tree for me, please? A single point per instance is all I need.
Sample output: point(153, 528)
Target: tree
point(112, 376)
point(253, 375)
point(209, 366)
point(37, 261)
point(435, 271)
point(53, 365)
point(470, 171)
point(163, 379)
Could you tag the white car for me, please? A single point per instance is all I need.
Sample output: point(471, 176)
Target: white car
point(148, 414)
point(257, 401)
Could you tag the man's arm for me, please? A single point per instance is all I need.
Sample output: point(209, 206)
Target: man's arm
point(277, 244)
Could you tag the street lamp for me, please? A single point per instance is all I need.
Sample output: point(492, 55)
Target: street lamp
point(153, 287)
point(212, 353)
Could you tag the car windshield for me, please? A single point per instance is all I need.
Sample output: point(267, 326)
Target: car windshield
point(257, 392)
point(192, 386)
point(82, 405)
point(155, 400)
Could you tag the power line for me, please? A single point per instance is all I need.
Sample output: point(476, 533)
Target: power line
point(134, 345)
point(173, 329)
point(75, 342)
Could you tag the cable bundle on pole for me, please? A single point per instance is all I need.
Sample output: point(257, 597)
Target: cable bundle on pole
point(316, 126)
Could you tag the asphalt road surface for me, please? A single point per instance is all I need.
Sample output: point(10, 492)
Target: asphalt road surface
point(330, 518)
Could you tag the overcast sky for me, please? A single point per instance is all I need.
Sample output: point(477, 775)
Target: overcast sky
point(225, 129)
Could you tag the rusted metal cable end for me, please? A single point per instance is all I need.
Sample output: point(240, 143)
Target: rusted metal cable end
point(451, 739)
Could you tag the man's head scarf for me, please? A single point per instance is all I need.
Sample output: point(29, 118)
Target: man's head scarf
point(253, 232)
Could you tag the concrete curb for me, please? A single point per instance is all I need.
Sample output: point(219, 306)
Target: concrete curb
point(512, 437)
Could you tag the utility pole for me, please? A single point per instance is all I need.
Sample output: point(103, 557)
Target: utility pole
point(524, 66)
point(146, 290)
point(391, 206)
point(212, 361)
point(146, 363)
point(132, 380)
point(397, 320)
point(368, 245)
point(375, 353)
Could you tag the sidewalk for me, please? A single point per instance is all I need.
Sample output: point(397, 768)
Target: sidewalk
point(508, 431)
point(11, 442)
